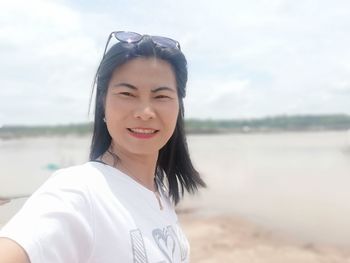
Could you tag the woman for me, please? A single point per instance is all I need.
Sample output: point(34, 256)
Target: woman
point(119, 207)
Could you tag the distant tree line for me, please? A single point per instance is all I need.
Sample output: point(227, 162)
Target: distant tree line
point(267, 124)
point(276, 123)
point(16, 131)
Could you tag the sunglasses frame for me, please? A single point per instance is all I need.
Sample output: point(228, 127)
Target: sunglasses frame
point(156, 40)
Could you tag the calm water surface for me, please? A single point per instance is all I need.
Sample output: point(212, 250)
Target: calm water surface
point(294, 183)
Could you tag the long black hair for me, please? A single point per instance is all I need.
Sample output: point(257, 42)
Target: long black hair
point(174, 161)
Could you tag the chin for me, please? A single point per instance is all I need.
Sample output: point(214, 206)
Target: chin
point(144, 150)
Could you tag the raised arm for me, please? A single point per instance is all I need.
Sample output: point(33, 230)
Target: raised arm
point(11, 252)
point(4, 201)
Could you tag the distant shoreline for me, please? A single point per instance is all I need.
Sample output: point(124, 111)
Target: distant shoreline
point(298, 123)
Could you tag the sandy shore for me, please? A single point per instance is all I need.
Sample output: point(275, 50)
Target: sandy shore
point(231, 239)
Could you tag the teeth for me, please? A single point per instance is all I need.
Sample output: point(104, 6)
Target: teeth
point(145, 131)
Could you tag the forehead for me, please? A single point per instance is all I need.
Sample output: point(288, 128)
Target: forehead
point(150, 71)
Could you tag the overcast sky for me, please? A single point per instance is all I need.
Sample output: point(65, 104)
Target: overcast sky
point(247, 59)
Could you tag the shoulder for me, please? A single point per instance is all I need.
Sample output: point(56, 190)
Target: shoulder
point(79, 175)
point(72, 183)
point(60, 217)
point(76, 172)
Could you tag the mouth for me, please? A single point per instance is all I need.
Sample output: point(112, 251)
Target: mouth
point(141, 131)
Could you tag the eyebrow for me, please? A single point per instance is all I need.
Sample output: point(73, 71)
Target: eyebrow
point(135, 88)
point(163, 88)
point(125, 85)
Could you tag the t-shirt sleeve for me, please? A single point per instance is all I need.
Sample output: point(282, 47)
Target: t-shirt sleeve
point(55, 224)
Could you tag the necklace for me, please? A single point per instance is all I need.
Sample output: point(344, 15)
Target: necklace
point(156, 191)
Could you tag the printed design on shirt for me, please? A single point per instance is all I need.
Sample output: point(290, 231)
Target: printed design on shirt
point(181, 240)
point(165, 241)
point(170, 240)
point(138, 247)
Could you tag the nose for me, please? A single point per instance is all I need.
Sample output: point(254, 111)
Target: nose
point(145, 112)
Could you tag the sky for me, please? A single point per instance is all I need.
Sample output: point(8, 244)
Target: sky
point(246, 59)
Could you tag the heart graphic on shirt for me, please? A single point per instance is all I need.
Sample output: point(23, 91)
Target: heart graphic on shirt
point(165, 242)
point(180, 240)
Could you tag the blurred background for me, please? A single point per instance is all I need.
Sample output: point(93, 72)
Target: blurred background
point(267, 112)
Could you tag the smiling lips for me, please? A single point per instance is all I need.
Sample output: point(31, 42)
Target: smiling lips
point(142, 133)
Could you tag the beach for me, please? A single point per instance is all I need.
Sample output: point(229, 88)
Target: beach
point(271, 197)
point(221, 239)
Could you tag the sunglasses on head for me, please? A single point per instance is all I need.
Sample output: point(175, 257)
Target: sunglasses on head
point(133, 37)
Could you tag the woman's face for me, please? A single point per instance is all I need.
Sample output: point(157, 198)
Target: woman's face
point(141, 106)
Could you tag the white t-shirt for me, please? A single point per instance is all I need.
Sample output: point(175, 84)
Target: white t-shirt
point(95, 213)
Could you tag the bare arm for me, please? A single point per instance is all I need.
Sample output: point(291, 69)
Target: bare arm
point(11, 252)
point(4, 201)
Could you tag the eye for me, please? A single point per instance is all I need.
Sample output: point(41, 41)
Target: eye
point(162, 97)
point(126, 94)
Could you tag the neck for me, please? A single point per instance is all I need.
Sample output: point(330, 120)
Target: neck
point(139, 167)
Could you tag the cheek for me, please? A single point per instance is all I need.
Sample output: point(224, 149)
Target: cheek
point(170, 115)
point(115, 109)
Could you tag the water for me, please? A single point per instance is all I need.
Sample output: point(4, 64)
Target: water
point(294, 183)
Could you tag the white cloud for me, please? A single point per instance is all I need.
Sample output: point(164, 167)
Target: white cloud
point(49, 63)
point(218, 98)
point(342, 86)
point(246, 58)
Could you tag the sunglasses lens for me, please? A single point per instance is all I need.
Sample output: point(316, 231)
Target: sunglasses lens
point(165, 42)
point(132, 37)
point(129, 37)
